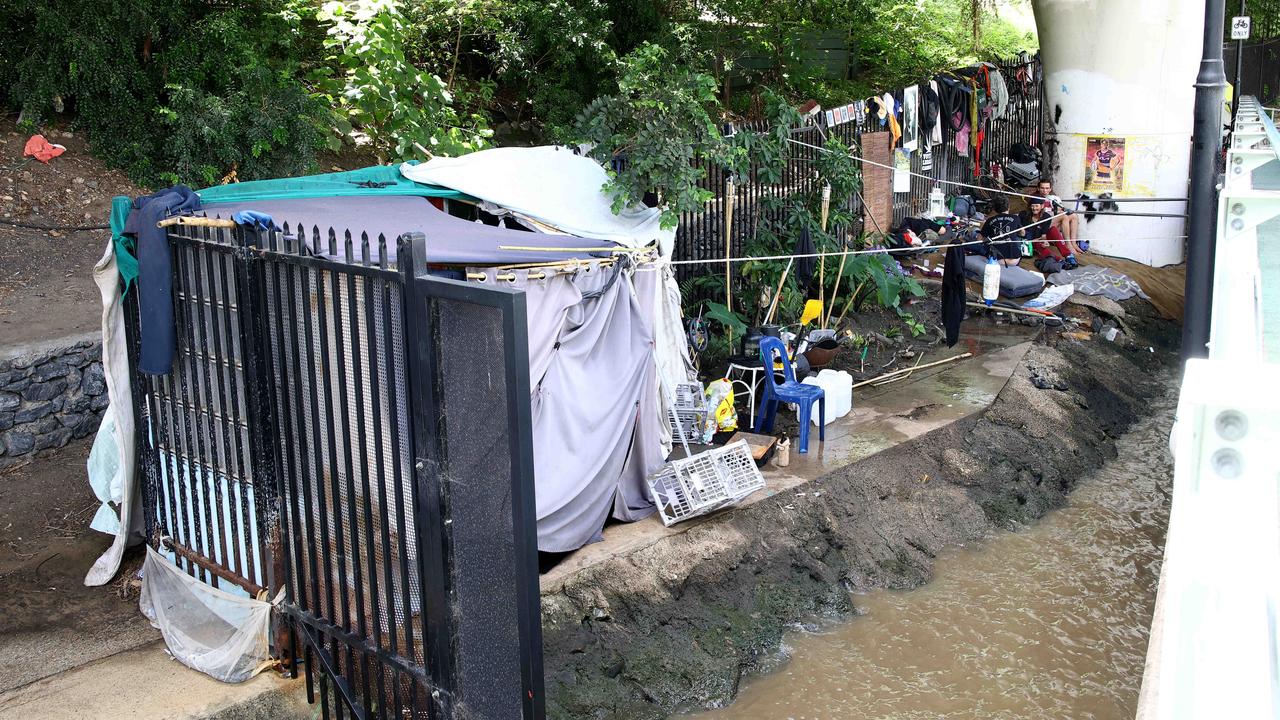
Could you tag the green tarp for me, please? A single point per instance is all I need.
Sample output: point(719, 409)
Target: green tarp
point(376, 180)
point(126, 263)
point(373, 181)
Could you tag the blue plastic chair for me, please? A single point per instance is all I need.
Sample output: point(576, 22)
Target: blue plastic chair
point(788, 391)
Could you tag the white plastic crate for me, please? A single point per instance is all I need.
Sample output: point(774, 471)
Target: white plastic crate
point(688, 487)
point(687, 413)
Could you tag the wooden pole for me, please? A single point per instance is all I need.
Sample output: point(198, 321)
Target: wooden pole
point(778, 294)
point(912, 369)
point(729, 197)
point(849, 304)
point(196, 221)
point(835, 290)
point(822, 261)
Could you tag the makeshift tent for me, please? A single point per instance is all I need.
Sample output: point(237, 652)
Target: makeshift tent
point(607, 345)
point(548, 185)
point(599, 424)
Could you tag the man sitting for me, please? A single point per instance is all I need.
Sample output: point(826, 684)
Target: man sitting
point(1053, 254)
point(1002, 233)
point(1067, 221)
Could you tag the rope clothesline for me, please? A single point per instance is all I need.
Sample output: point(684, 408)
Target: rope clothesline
point(957, 183)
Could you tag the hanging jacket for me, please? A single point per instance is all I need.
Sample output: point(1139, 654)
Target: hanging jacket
point(930, 113)
point(999, 92)
point(953, 294)
point(155, 273)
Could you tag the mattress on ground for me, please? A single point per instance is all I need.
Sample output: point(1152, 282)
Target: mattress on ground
point(1014, 281)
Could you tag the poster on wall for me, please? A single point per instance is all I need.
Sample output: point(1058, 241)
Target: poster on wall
point(1104, 164)
point(911, 118)
point(901, 171)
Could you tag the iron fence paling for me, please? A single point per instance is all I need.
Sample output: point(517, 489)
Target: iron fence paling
point(701, 235)
point(301, 442)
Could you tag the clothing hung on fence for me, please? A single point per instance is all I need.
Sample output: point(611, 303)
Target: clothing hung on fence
point(155, 276)
point(953, 294)
point(999, 92)
point(932, 105)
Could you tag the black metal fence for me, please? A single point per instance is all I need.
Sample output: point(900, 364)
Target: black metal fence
point(1260, 71)
point(702, 235)
point(358, 435)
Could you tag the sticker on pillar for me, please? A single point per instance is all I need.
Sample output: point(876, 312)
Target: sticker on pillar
point(1104, 169)
point(911, 118)
point(901, 171)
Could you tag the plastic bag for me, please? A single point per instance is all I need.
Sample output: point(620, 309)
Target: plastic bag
point(724, 418)
point(206, 629)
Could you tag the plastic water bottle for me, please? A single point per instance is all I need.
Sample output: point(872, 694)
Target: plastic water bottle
point(991, 281)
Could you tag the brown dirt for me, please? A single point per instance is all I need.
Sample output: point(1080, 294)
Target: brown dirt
point(46, 281)
point(49, 620)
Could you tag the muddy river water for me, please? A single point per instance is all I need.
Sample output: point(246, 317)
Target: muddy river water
point(1047, 622)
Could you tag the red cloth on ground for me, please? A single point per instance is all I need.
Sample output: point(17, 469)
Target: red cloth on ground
point(41, 149)
point(1053, 245)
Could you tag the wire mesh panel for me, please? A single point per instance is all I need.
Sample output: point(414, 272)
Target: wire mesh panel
point(485, 475)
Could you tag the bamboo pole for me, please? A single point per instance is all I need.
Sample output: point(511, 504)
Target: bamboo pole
point(822, 261)
point(886, 376)
point(1014, 311)
point(196, 221)
point(534, 248)
point(778, 294)
point(849, 304)
point(835, 290)
point(730, 195)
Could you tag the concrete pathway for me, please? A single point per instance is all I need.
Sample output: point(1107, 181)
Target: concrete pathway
point(145, 683)
point(882, 417)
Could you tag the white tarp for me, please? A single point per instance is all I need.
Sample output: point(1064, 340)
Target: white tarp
point(221, 635)
point(111, 461)
point(550, 185)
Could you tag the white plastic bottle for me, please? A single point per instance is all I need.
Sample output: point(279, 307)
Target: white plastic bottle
point(991, 281)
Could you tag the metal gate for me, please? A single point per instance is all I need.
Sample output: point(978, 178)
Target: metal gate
point(363, 434)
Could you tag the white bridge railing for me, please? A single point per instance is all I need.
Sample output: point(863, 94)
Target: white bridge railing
point(1215, 638)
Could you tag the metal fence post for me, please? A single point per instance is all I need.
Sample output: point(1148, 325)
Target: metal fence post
point(428, 497)
point(259, 417)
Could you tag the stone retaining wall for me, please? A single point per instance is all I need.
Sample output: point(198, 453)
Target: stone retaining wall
point(50, 394)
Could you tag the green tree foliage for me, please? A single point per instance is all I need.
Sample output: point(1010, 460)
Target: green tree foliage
point(381, 98)
point(178, 90)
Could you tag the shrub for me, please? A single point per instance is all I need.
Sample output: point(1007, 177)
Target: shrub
point(176, 90)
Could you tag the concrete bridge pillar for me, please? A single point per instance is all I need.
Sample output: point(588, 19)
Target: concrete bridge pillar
point(1119, 81)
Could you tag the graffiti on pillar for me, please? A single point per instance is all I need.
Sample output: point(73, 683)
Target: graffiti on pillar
point(1104, 164)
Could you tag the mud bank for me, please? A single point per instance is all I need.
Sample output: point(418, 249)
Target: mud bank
point(677, 625)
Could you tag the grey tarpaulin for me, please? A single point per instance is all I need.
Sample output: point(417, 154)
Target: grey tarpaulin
point(1099, 280)
point(450, 240)
point(597, 424)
